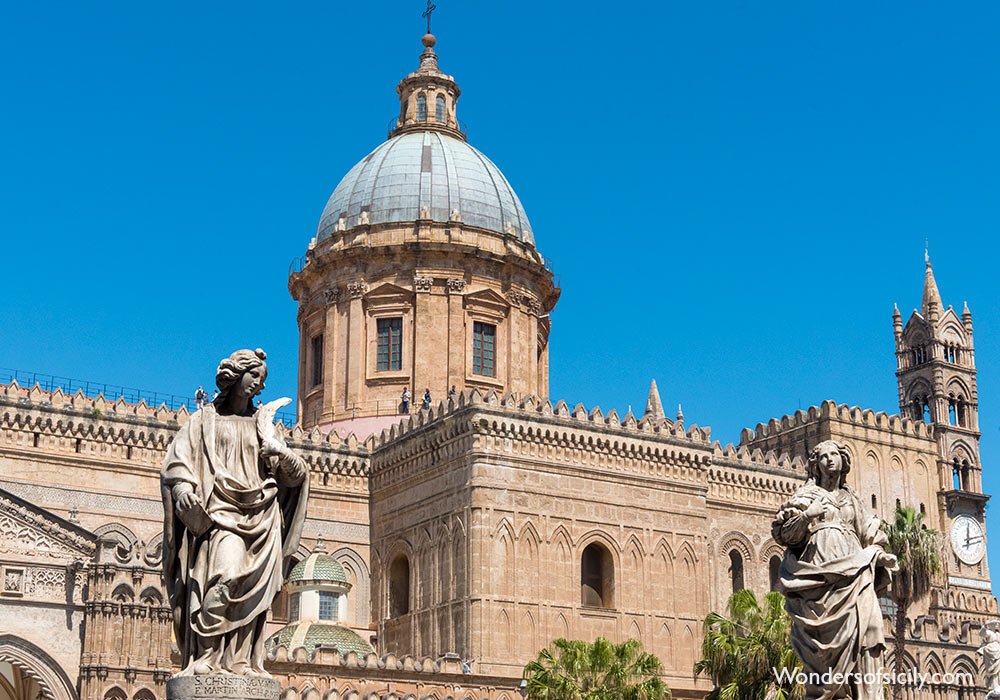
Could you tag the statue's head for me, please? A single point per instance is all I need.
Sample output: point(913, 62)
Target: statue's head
point(827, 459)
point(231, 375)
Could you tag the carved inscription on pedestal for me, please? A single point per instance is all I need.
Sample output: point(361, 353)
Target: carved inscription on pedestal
point(222, 686)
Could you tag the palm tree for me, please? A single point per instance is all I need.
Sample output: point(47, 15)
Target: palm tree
point(576, 670)
point(918, 552)
point(744, 654)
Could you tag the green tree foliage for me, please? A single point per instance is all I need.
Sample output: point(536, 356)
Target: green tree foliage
point(576, 670)
point(740, 653)
point(918, 554)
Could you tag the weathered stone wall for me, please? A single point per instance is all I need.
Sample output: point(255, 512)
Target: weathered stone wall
point(519, 489)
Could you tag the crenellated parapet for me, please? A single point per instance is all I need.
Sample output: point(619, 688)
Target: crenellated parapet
point(829, 410)
point(538, 430)
point(535, 407)
point(59, 425)
point(753, 478)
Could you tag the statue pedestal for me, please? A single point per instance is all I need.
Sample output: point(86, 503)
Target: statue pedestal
point(222, 687)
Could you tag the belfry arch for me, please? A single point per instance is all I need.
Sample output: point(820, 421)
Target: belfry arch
point(37, 665)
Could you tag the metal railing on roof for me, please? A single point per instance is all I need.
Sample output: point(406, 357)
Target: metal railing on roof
point(297, 264)
point(111, 392)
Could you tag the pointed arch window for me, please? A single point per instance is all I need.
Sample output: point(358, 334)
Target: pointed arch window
point(736, 570)
point(421, 108)
point(399, 586)
point(439, 108)
point(773, 570)
point(597, 577)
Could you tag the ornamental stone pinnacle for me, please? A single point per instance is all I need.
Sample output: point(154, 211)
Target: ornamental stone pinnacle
point(654, 407)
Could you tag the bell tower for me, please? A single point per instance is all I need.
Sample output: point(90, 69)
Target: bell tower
point(936, 376)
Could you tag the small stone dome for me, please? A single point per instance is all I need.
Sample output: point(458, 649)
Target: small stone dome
point(311, 634)
point(426, 175)
point(318, 567)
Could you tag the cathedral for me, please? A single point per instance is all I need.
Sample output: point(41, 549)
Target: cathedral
point(447, 542)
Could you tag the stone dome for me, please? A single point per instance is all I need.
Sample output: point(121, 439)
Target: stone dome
point(426, 175)
point(318, 567)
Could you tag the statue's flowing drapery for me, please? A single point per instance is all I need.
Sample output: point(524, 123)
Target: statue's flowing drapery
point(222, 582)
point(830, 579)
point(990, 651)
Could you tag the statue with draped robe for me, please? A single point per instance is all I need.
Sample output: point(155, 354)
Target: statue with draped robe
point(834, 569)
point(234, 498)
point(989, 649)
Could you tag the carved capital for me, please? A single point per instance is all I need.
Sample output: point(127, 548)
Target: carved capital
point(456, 285)
point(423, 284)
point(534, 307)
point(357, 289)
point(331, 295)
point(515, 298)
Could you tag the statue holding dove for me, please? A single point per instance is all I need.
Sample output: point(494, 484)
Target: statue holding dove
point(234, 498)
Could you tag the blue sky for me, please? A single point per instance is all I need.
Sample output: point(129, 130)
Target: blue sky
point(733, 194)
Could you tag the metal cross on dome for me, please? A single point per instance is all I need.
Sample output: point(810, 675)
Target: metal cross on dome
point(427, 13)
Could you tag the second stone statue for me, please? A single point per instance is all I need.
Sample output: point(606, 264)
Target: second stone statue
point(234, 498)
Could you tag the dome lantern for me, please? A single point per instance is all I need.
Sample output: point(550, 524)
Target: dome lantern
point(427, 97)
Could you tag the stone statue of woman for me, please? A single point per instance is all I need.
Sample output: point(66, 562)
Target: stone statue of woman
point(234, 500)
point(989, 649)
point(834, 569)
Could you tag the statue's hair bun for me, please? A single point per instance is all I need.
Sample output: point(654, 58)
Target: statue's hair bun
point(260, 353)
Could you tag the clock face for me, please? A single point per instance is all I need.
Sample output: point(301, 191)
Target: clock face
point(967, 539)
